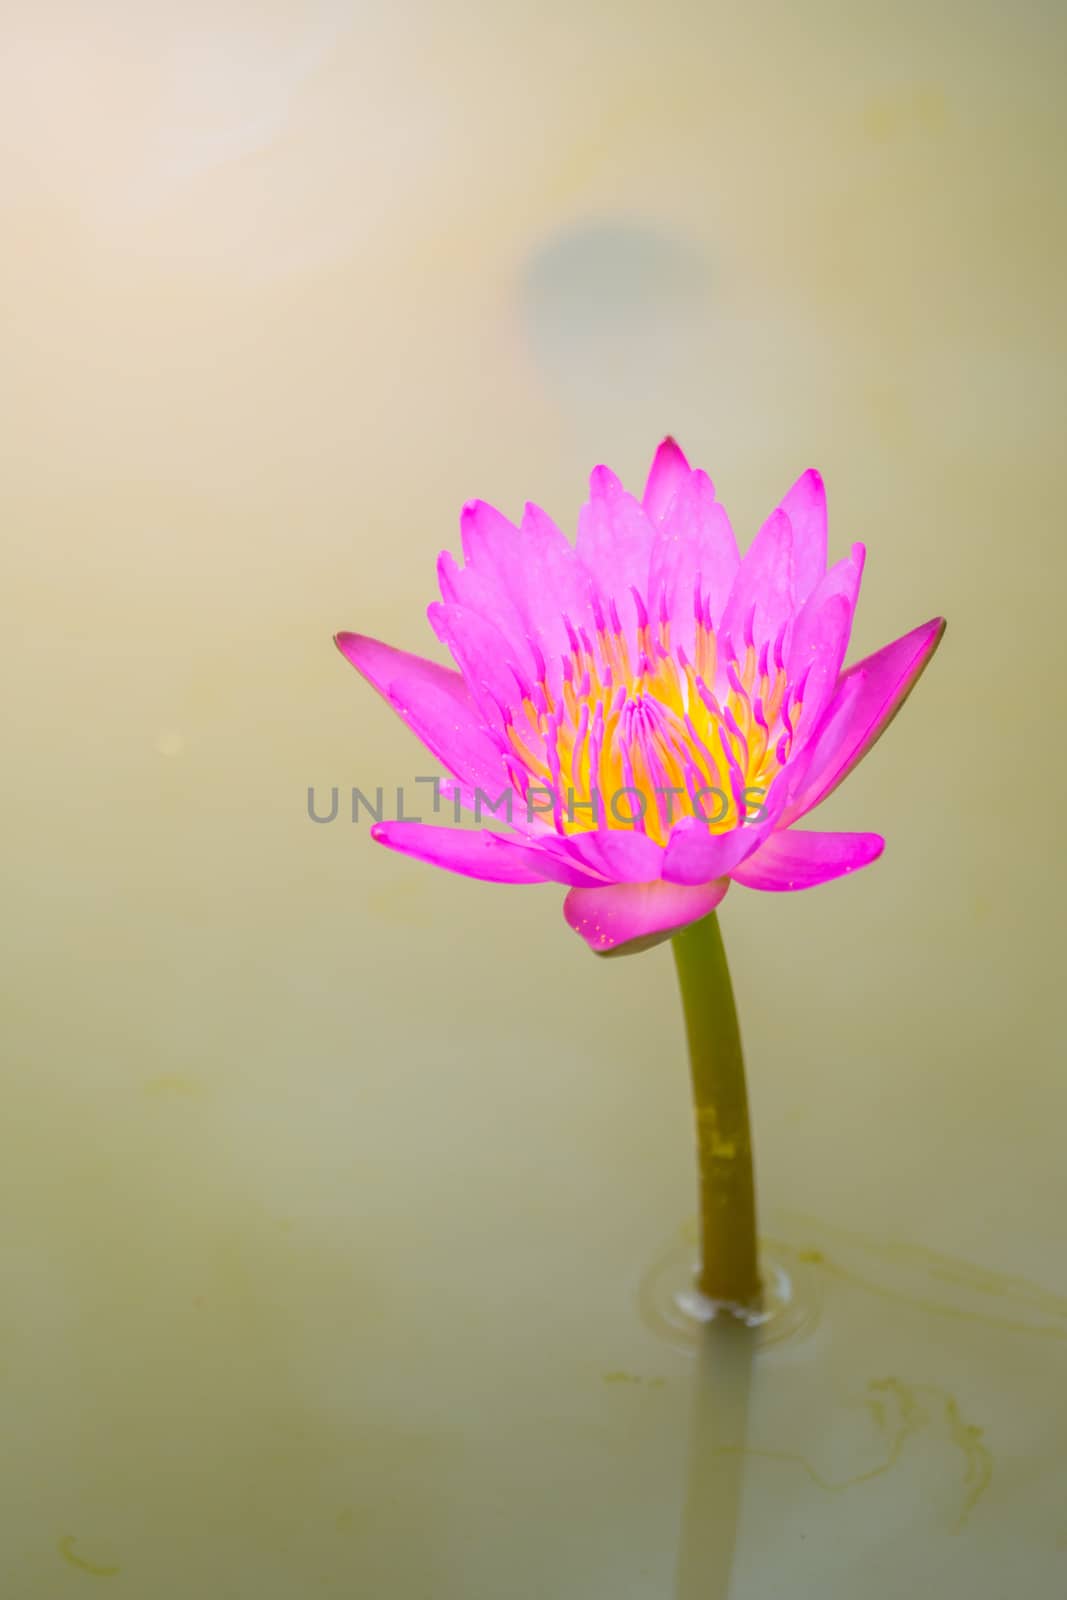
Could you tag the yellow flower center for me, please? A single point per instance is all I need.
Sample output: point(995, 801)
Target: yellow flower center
point(642, 745)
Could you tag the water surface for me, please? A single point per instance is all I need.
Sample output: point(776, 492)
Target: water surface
point(340, 1199)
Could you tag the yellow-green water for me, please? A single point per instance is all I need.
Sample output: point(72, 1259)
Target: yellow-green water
point(341, 1201)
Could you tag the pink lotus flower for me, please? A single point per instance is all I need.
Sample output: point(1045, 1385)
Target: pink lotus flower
point(652, 713)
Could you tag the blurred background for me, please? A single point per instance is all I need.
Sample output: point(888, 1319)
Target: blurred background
point(341, 1199)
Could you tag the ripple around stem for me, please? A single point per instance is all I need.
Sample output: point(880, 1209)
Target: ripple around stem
point(674, 1308)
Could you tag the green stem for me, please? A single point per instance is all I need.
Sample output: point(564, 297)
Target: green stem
point(729, 1268)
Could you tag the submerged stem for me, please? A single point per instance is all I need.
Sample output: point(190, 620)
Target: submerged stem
point(729, 1270)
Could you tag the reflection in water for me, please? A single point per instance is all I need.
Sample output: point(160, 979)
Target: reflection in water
point(613, 312)
point(880, 1440)
point(606, 282)
point(722, 1378)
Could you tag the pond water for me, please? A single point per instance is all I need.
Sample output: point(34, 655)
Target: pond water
point(345, 1204)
